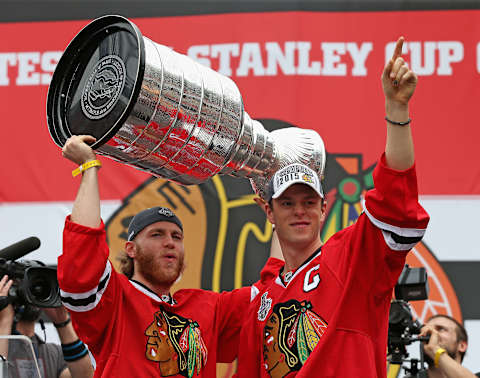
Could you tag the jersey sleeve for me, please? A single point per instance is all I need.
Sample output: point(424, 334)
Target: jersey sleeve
point(89, 286)
point(392, 206)
point(372, 251)
point(232, 307)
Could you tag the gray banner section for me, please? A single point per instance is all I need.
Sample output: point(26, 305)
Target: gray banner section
point(465, 278)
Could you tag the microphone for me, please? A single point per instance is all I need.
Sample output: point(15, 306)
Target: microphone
point(20, 249)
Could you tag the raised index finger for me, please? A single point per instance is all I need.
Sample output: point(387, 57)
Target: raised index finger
point(398, 48)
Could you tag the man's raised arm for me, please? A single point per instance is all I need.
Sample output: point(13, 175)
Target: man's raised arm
point(398, 83)
point(86, 208)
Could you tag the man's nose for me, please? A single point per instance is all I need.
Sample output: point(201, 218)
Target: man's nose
point(299, 208)
point(168, 241)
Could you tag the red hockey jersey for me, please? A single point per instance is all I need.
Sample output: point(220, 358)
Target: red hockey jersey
point(130, 330)
point(331, 318)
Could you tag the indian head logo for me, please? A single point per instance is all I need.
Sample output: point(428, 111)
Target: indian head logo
point(176, 344)
point(227, 238)
point(291, 333)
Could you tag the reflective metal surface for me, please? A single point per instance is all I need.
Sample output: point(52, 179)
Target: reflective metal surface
point(163, 113)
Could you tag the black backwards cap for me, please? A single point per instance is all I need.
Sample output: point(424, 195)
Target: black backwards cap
point(147, 217)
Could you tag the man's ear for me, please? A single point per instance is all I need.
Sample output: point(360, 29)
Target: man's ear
point(462, 346)
point(269, 212)
point(324, 210)
point(130, 249)
point(261, 202)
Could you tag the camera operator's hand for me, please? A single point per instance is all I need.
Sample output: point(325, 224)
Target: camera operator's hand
point(77, 149)
point(6, 309)
point(434, 343)
point(57, 314)
point(81, 367)
point(6, 314)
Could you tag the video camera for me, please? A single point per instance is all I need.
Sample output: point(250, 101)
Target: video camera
point(412, 285)
point(34, 283)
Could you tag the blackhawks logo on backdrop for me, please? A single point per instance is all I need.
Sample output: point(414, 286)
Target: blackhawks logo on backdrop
point(227, 237)
point(290, 334)
point(176, 344)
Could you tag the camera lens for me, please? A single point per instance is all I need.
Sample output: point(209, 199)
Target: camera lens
point(40, 288)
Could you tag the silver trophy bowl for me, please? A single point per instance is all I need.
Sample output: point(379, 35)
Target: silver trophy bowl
point(163, 113)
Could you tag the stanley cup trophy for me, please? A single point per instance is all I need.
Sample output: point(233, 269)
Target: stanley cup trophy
point(161, 112)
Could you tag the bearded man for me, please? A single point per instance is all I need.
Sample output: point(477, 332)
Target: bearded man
point(445, 348)
point(131, 322)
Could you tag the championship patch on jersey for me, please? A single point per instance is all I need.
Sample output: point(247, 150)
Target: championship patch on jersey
point(176, 344)
point(265, 305)
point(291, 333)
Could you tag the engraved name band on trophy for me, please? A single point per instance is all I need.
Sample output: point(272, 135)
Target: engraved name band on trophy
point(161, 112)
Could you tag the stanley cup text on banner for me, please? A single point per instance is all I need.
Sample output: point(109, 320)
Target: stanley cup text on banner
point(163, 113)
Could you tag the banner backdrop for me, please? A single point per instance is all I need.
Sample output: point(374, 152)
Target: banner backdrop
point(312, 70)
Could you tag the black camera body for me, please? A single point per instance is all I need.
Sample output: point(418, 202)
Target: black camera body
point(33, 283)
point(402, 328)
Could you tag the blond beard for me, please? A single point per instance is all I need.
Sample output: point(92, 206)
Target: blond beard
point(153, 272)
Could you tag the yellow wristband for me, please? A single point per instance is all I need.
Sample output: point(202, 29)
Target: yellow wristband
point(85, 166)
point(438, 353)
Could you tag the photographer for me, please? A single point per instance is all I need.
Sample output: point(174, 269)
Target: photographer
point(69, 360)
point(446, 348)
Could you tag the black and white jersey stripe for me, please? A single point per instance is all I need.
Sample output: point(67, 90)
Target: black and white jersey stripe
point(397, 238)
point(86, 301)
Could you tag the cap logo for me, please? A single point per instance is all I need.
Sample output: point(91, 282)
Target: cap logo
point(307, 178)
point(166, 212)
point(103, 87)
